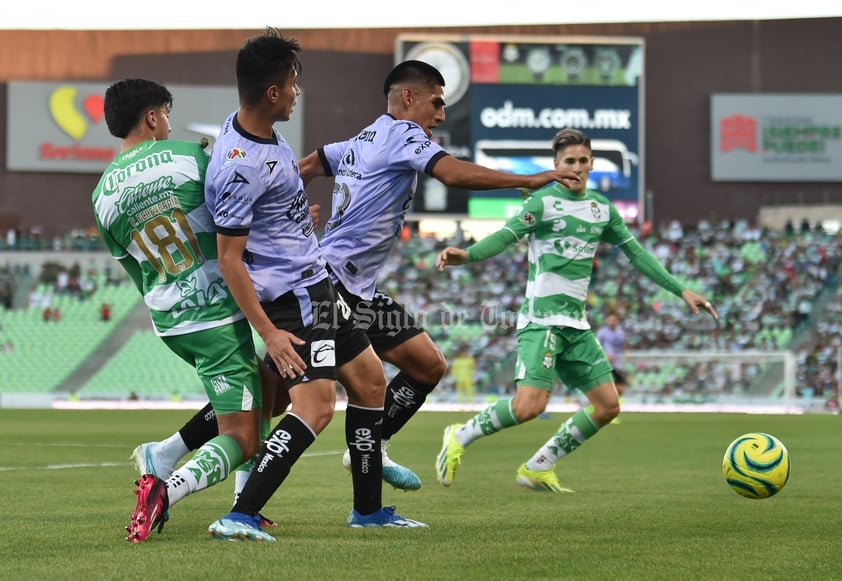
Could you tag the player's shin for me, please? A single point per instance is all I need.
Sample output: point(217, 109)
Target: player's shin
point(363, 434)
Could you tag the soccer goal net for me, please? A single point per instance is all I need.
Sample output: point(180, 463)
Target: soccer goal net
point(742, 380)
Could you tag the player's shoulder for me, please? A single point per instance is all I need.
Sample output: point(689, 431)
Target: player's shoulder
point(597, 197)
point(397, 127)
point(181, 145)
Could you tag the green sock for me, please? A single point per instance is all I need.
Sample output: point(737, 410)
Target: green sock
point(209, 465)
point(572, 434)
point(498, 416)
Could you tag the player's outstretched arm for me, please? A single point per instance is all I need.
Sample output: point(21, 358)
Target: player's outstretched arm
point(696, 301)
point(451, 256)
point(310, 167)
point(465, 175)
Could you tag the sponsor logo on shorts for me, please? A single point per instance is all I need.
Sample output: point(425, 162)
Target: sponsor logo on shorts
point(220, 384)
point(322, 354)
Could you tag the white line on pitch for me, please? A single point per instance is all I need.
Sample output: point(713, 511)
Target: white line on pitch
point(112, 464)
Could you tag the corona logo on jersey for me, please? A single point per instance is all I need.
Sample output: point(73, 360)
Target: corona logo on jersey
point(68, 117)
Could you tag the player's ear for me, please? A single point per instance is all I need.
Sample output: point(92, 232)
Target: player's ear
point(151, 119)
point(272, 93)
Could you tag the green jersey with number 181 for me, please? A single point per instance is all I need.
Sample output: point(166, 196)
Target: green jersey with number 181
point(150, 210)
point(564, 230)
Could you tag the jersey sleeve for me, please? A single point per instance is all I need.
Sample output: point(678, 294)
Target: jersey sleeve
point(526, 218)
point(413, 149)
point(617, 233)
point(330, 155)
point(237, 188)
point(116, 250)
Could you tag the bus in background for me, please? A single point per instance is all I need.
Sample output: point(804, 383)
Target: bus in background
point(612, 166)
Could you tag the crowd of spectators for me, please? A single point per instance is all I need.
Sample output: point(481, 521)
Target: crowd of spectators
point(78, 239)
point(764, 284)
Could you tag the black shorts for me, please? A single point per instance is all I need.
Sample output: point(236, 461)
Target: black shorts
point(318, 316)
point(386, 322)
point(620, 377)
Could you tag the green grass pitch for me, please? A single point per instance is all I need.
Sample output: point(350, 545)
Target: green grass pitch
point(651, 503)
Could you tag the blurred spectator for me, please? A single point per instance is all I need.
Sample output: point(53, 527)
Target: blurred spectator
point(463, 370)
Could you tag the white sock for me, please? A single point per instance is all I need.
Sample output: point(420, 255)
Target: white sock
point(240, 479)
point(172, 449)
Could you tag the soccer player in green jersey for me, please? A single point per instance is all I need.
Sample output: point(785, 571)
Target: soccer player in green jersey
point(150, 210)
point(563, 227)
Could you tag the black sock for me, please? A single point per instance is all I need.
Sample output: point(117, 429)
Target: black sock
point(200, 428)
point(284, 446)
point(404, 397)
point(362, 432)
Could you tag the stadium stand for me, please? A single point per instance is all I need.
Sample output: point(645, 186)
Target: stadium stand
point(773, 290)
point(57, 332)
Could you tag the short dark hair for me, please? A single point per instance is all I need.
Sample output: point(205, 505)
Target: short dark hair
point(263, 61)
point(127, 101)
point(413, 72)
point(567, 137)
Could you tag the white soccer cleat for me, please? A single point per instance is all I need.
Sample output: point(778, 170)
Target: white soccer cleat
point(394, 474)
point(147, 460)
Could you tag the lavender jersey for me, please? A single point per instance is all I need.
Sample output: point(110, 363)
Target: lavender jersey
point(253, 189)
point(612, 341)
point(376, 173)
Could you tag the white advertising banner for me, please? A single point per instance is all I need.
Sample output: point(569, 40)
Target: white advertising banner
point(776, 137)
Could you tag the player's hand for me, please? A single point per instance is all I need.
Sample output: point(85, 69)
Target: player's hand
point(314, 214)
point(451, 256)
point(566, 178)
point(697, 302)
point(280, 347)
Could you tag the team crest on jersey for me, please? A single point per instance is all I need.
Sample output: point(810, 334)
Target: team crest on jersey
point(548, 360)
point(236, 153)
point(527, 218)
point(597, 213)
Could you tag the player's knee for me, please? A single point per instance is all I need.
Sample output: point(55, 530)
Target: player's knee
point(321, 419)
point(317, 416)
point(605, 412)
point(433, 369)
point(527, 410)
point(249, 444)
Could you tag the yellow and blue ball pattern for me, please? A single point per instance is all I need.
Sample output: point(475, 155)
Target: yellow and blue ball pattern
point(756, 465)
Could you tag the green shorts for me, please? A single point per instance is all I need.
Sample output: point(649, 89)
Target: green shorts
point(226, 363)
point(574, 355)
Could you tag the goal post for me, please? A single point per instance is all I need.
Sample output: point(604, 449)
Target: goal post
point(747, 379)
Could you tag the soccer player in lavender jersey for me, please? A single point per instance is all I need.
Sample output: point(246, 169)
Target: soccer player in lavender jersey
point(564, 226)
point(269, 256)
point(375, 175)
point(612, 337)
